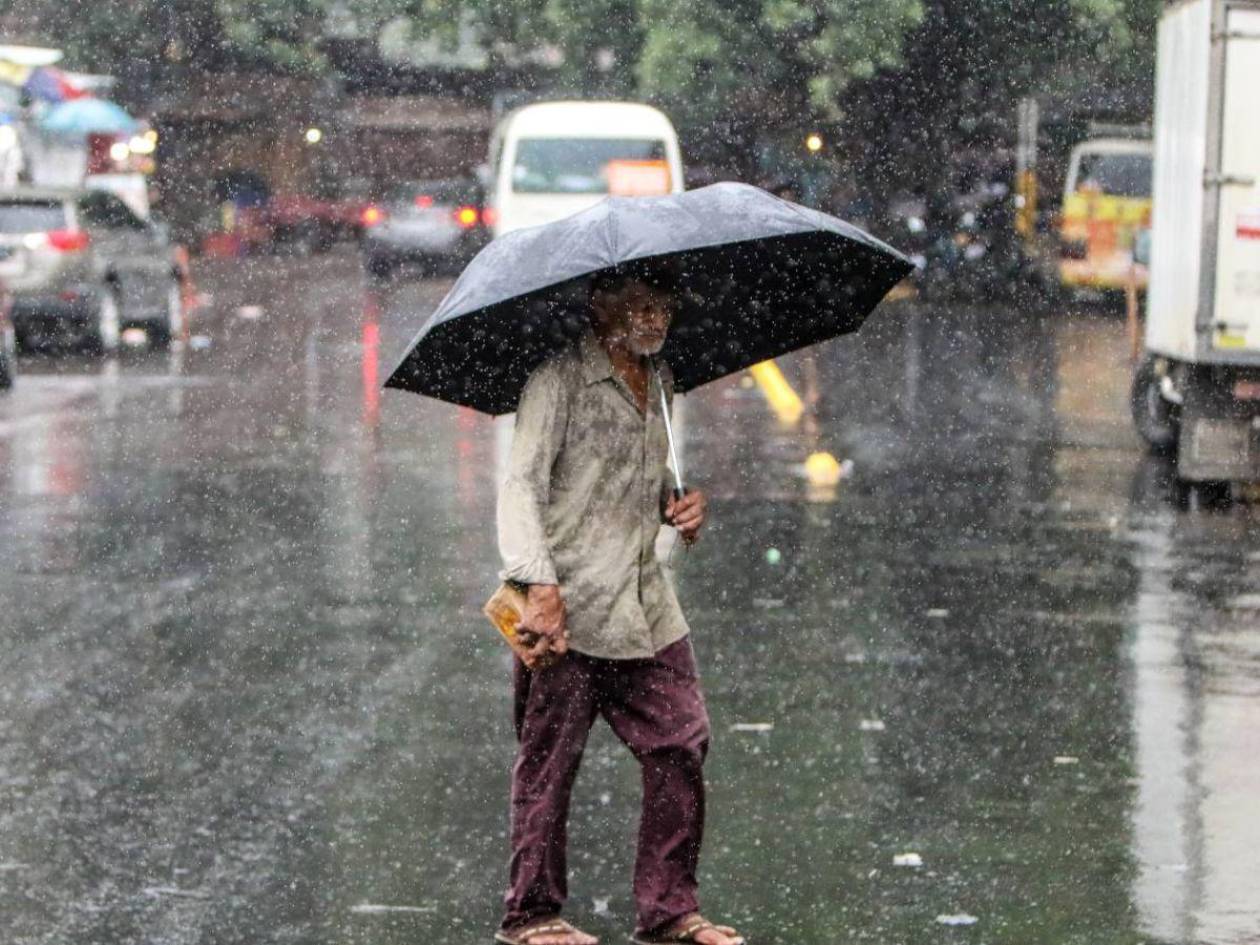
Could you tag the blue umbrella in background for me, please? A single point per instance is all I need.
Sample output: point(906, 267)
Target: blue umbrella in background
point(83, 116)
point(51, 85)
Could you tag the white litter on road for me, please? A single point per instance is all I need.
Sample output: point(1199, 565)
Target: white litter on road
point(1066, 760)
point(12, 867)
point(373, 908)
point(153, 892)
point(199, 342)
point(907, 859)
point(872, 725)
point(937, 613)
point(753, 727)
point(250, 312)
point(599, 906)
point(960, 919)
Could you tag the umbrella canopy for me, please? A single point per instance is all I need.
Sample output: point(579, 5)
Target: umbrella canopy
point(82, 116)
point(757, 277)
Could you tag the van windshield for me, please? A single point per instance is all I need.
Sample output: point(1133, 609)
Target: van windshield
point(1120, 175)
point(576, 165)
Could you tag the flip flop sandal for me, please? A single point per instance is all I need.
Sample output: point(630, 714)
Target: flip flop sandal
point(526, 934)
point(684, 931)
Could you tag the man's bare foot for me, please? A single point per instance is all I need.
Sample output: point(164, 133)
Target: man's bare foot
point(718, 935)
point(548, 932)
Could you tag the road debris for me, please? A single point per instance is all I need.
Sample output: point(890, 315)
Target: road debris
point(154, 892)
point(960, 919)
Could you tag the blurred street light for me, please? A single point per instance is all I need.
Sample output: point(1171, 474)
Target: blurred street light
point(813, 142)
point(314, 135)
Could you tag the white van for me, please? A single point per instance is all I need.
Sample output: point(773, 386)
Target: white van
point(555, 159)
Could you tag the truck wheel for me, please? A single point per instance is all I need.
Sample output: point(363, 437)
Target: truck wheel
point(105, 327)
point(1157, 421)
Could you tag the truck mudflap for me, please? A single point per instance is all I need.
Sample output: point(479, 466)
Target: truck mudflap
point(1220, 425)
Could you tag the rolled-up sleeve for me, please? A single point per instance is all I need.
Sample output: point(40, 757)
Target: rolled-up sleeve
point(524, 494)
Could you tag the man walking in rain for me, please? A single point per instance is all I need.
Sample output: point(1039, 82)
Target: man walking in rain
point(578, 515)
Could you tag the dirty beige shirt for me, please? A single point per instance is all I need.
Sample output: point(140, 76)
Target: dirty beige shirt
point(581, 505)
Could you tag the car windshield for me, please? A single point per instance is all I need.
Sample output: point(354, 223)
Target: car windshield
point(30, 216)
point(451, 193)
point(1120, 175)
point(576, 165)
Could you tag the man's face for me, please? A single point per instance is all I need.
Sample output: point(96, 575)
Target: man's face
point(634, 314)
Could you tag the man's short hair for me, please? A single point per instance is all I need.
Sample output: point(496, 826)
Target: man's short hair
point(660, 274)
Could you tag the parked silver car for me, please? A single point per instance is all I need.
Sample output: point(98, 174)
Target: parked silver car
point(437, 225)
point(82, 267)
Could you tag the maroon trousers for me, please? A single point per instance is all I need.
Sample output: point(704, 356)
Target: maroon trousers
point(655, 707)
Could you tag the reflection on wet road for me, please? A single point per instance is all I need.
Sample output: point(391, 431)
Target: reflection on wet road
point(248, 696)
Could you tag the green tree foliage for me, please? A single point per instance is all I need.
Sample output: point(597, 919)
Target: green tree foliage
point(907, 75)
point(776, 58)
point(918, 72)
point(117, 35)
point(968, 62)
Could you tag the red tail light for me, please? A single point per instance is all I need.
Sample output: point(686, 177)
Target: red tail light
point(99, 160)
point(372, 216)
point(68, 241)
point(467, 217)
point(489, 216)
point(423, 201)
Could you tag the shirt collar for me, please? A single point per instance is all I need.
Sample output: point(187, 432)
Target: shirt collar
point(596, 366)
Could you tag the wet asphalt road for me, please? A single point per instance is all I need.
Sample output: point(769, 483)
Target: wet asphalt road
point(247, 696)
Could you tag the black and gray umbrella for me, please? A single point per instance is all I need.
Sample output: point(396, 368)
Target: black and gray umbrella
point(757, 277)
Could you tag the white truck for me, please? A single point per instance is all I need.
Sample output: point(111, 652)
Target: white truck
point(1196, 393)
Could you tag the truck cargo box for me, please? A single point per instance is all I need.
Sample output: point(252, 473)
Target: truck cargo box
point(1204, 301)
point(1197, 392)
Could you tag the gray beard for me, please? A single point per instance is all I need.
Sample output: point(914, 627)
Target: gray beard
point(642, 350)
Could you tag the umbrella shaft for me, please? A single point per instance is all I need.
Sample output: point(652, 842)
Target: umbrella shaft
point(669, 433)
